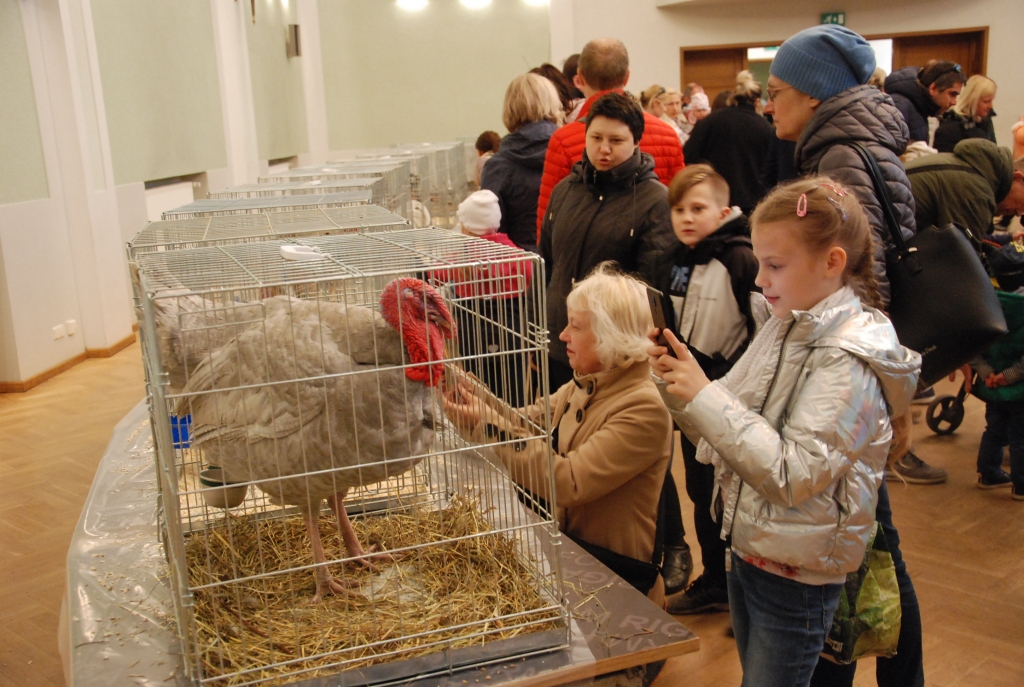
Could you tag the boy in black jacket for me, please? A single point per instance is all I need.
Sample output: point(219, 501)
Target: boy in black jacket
point(706, 282)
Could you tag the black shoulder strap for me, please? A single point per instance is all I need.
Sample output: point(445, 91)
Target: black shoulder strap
point(888, 209)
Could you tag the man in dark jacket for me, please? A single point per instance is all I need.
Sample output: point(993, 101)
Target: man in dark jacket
point(922, 93)
point(967, 187)
point(604, 67)
point(611, 207)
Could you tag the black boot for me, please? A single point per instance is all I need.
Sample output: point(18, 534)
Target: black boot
point(676, 566)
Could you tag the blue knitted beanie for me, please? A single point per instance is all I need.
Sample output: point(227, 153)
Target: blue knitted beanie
point(824, 61)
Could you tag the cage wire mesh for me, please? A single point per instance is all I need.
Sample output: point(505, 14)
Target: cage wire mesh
point(397, 186)
point(215, 207)
point(210, 231)
point(425, 183)
point(375, 185)
point(449, 167)
point(299, 388)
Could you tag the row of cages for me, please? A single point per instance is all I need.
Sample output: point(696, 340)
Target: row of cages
point(423, 183)
point(338, 355)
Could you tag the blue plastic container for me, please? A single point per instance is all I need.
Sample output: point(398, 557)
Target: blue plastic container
point(180, 427)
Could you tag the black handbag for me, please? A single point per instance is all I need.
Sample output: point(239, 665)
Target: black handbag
point(942, 302)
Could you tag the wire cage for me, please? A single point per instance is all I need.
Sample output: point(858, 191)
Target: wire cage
point(293, 386)
point(374, 185)
point(448, 162)
point(215, 207)
point(246, 228)
point(424, 182)
point(396, 173)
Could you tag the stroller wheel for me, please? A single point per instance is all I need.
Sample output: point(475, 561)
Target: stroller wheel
point(945, 414)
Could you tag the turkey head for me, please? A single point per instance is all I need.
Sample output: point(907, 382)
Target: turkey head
point(416, 310)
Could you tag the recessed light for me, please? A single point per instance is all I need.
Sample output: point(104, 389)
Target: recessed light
point(412, 5)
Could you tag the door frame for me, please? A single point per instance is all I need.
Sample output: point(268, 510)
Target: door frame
point(871, 37)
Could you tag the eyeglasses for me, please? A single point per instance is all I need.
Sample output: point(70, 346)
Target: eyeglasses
point(773, 93)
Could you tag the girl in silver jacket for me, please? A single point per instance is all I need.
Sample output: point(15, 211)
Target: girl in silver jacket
point(800, 428)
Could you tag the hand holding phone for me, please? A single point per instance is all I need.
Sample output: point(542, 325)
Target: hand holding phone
point(654, 299)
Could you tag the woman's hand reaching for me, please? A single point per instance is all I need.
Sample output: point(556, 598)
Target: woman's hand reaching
point(464, 407)
point(684, 375)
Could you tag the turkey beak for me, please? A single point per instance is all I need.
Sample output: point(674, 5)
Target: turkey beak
point(441, 320)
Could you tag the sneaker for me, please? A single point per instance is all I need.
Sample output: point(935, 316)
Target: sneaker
point(1017, 492)
point(923, 398)
point(912, 469)
point(1000, 479)
point(676, 568)
point(700, 597)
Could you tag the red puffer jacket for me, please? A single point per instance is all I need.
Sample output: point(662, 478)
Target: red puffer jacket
point(567, 144)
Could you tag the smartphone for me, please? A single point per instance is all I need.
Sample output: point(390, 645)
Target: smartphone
point(655, 300)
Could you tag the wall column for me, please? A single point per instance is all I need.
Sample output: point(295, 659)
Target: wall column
point(230, 42)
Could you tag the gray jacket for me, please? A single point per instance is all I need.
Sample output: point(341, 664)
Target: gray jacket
point(799, 481)
point(864, 114)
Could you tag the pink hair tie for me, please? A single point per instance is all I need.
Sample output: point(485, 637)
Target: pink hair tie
point(801, 206)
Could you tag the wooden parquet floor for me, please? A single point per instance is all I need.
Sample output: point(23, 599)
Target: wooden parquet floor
point(964, 546)
point(51, 439)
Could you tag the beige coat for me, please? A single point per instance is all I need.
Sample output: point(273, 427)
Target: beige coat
point(614, 446)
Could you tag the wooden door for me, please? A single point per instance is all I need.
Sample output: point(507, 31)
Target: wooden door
point(713, 68)
point(967, 48)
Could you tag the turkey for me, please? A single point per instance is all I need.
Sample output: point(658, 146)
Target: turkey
point(352, 417)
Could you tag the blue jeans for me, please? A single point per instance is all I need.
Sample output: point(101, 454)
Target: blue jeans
point(1004, 426)
point(780, 624)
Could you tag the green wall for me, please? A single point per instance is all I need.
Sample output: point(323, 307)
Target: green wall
point(159, 72)
point(392, 76)
point(276, 82)
point(22, 167)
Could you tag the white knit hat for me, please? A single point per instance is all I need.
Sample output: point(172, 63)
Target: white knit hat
point(479, 214)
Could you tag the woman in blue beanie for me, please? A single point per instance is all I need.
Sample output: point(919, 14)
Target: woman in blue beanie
point(819, 98)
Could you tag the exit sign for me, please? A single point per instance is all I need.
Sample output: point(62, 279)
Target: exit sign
point(837, 18)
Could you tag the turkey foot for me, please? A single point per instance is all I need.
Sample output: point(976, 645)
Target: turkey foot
point(325, 583)
point(352, 545)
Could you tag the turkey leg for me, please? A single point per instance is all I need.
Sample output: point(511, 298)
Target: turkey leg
point(348, 534)
point(324, 581)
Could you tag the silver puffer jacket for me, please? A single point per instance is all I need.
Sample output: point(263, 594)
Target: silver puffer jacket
point(799, 481)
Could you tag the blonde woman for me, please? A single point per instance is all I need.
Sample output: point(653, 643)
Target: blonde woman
point(612, 433)
point(971, 117)
point(672, 105)
point(650, 100)
point(531, 114)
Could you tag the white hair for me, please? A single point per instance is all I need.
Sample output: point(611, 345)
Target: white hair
point(620, 316)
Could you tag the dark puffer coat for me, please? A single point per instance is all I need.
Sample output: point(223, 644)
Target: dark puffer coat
point(513, 174)
point(619, 215)
point(740, 145)
point(864, 114)
point(957, 127)
point(912, 100)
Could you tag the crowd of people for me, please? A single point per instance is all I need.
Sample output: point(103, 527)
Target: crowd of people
point(765, 256)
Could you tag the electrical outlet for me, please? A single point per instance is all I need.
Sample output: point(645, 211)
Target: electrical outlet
point(59, 331)
point(72, 326)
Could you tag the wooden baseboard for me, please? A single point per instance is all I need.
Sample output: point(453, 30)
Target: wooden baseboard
point(107, 352)
point(135, 326)
point(21, 387)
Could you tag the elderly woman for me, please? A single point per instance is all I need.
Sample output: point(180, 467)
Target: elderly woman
point(612, 436)
point(971, 117)
point(531, 114)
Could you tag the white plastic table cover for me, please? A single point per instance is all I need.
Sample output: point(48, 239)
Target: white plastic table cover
point(117, 617)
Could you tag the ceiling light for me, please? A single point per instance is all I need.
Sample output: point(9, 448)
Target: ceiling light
point(412, 5)
point(475, 4)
